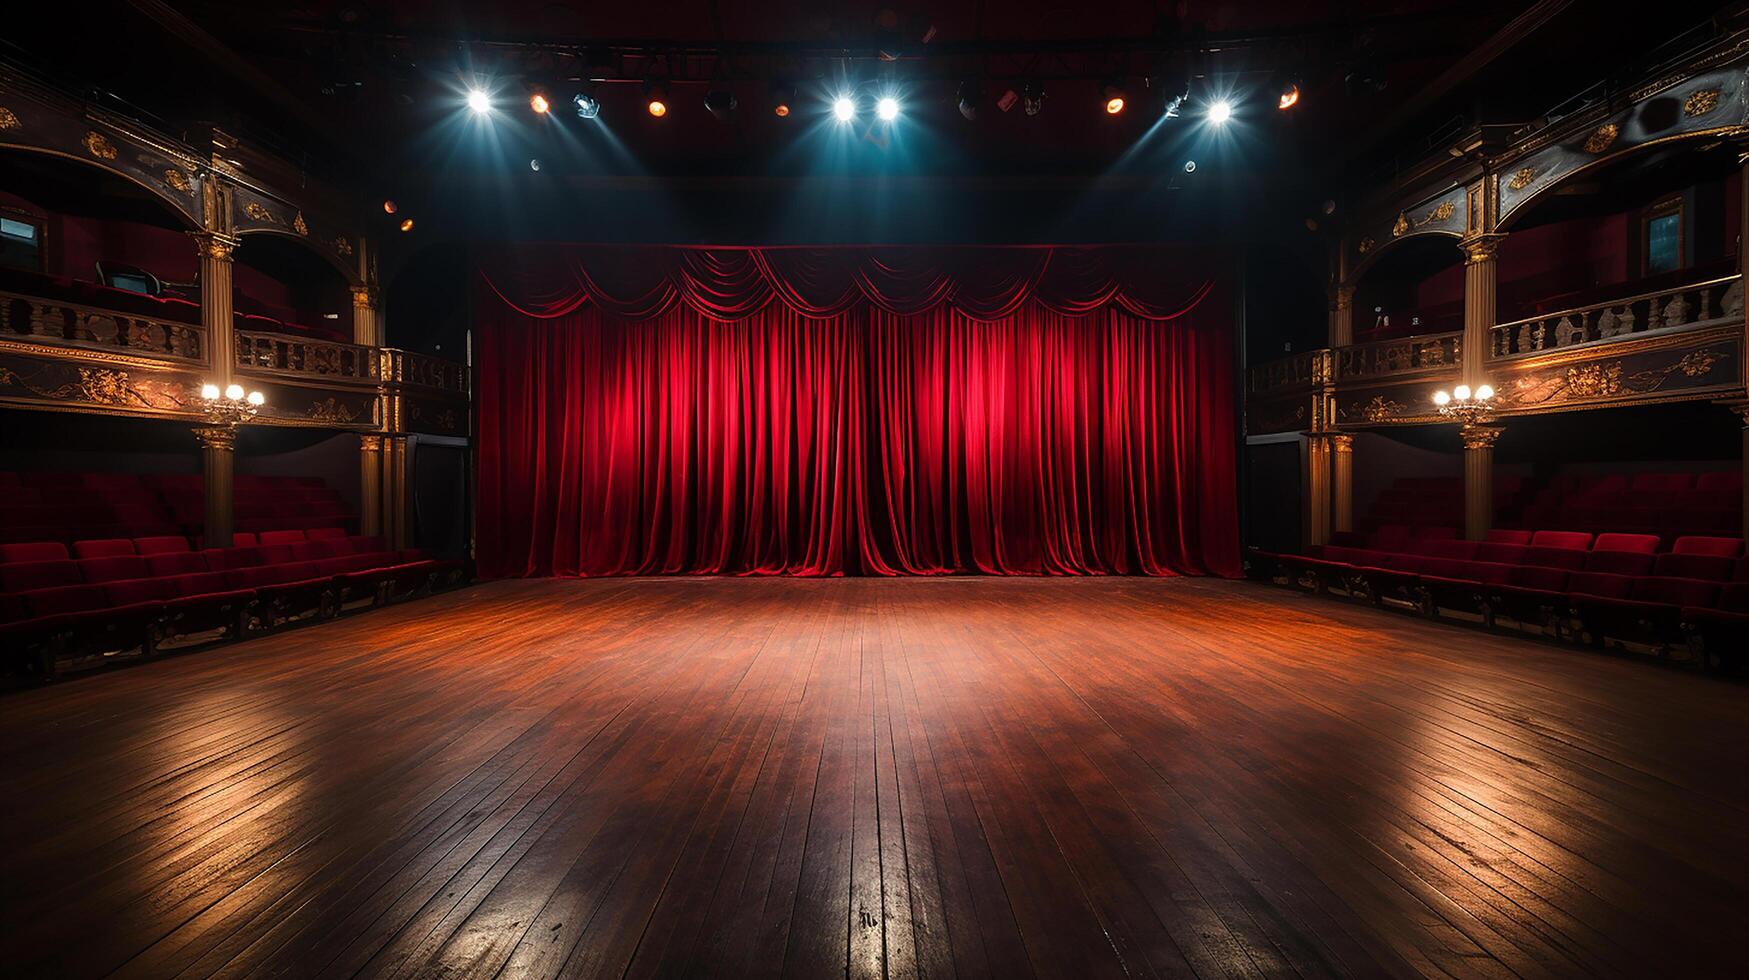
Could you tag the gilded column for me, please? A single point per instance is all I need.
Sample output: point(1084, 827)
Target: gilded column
point(366, 325)
point(370, 485)
point(1341, 482)
point(1479, 479)
point(1315, 477)
point(394, 491)
point(218, 445)
point(1341, 316)
point(1479, 288)
point(216, 305)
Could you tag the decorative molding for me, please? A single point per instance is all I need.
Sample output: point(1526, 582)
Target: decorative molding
point(98, 145)
point(343, 245)
point(1522, 178)
point(1481, 248)
point(1694, 364)
point(177, 181)
point(1701, 102)
point(1480, 436)
point(9, 119)
point(298, 224)
point(1380, 409)
point(1366, 245)
point(370, 444)
point(214, 245)
point(332, 410)
point(1601, 138)
point(96, 386)
point(221, 437)
point(1341, 442)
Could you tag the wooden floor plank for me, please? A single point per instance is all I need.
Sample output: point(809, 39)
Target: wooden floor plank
point(963, 777)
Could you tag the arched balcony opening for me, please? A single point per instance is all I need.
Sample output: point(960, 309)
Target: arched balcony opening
point(283, 287)
point(1415, 287)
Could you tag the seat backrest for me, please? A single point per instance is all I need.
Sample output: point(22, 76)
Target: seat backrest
point(1700, 544)
point(1507, 535)
point(130, 591)
point(1713, 568)
point(281, 537)
point(1437, 548)
point(1733, 597)
point(1572, 559)
point(1488, 572)
point(1643, 543)
point(1675, 591)
point(24, 576)
point(177, 563)
point(243, 539)
point(66, 599)
point(33, 551)
point(201, 583)
point(1496, 551)
point(1434, 532)
point(1604, 584)
point(1617, 562)
point(1562, 539)
point(103, 548)
point(1662, 482)
point(1538, 577)
point(161, 544)
point(114, 569)
point(324, 533)
point(1719, 481)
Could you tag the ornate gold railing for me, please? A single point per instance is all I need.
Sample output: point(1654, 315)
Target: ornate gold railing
point(60, 322)
point(1302, 370)
point(1694, 305)
point(1382, 358)
point(326, 359)
point(409, 367)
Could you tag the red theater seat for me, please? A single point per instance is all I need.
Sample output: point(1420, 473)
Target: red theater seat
point(243, 539)
point(100, 570)
point(1713, 568)
point(1533, 594)
point(177, 563)
point(325, 533)
point(281, 537)
point(103, 548)
point(161, 544)
point(1704, 545)
point(33, 551)
point(25, 576)
point(1502, 553)
point(1562, 539)
point(1617, 562)
point(228, 559)
point(1571, 559)
point(1641, 543)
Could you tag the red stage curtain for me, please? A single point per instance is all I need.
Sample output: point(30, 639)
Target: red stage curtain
point(927, 440)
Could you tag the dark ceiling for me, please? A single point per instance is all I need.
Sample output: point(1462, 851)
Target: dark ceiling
point(369, 94)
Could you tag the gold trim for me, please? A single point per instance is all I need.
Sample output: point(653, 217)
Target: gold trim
point(1366, 245)
point(1401, 226)
point(1701, 102)
point(71, 353)
point(332, 410)
point(217, 437)
point(1480, 436)
point(1522, 178)
point(177, 181)
point(1601, 138)
point(298, 224)
point(98, 146)
point(9, 120)
point(343, 245)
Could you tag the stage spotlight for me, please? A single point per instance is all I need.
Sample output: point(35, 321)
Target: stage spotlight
point(844, 108)
point(1190, 166)
point(587, 105)
point(388, 207)
point(1179, 86)
point(1114, 99)
point(971, 95)
point(534, 165)
point(721, 103)
point(887, 108)
point(538, 101)
point(406, 224)
point(656, 99)
point(1220, 111)
point(479, 101)
point(1290, 95)
point(1032, 98)
point(781, 97)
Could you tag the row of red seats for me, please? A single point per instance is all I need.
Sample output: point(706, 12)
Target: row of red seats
point(118, 594)
point(58, 506)
point(1611, 586)
point(1671, 503)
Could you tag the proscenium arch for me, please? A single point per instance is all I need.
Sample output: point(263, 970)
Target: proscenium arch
point(1372, 257)
point(348, 271)
point(190, 220)
point(1545, 190)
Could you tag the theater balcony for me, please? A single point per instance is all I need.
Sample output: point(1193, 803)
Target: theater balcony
point(1591, 260)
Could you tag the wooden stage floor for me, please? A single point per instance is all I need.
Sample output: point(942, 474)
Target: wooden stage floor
point(971, 777)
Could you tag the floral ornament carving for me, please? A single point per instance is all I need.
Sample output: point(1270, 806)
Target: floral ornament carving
point(1589, 381)
point(1701, 102)
point(1693, 364)
point(1438, 215)
point(101, 386)
point(99, 146)
point(1366, 245)
point(258, 213)
point(1401, 227)
point(298, 224)
point(177, 181)
point(1602, 138)
point(1380, 409)
point(332, 410)
point(1522, 178)
point(343, 245)
point(9, 120)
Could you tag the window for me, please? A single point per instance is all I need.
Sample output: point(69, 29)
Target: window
point(21, 243)
point(1661, 238)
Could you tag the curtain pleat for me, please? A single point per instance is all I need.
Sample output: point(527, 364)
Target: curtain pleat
point(923, 440)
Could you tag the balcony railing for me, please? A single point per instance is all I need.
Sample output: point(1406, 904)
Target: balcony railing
point(1406, 355)
point(59, 322)
point(327, 359)
point(409, 367)
point(1300, 370)
point(1700, 304)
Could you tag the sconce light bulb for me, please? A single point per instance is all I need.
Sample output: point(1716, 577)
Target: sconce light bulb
point(1441, 398)
point(234, 392)
point(1461, 393)
point(1485, 392)
point(209, 391)
point(257, 399)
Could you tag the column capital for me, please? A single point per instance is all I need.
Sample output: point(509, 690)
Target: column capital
point(1342, 442)
point(217, 437)
point(214, 245)
point(1481, 436)
point(365, 296)
point(371, 444)
point(1341, 297)
point(1741, 407)
point(1481, 248)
